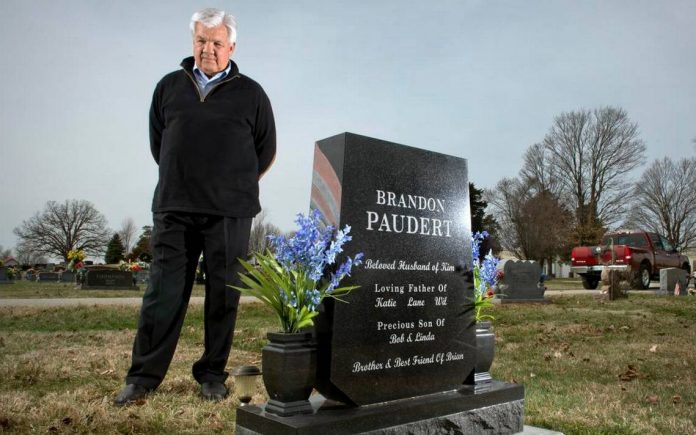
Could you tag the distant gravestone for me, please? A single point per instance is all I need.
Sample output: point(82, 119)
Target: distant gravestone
point(67, 276)
point(521, 282)
point(4, 279)
point(108, 279)
point(48, 277)
point(142, 277)
point(669, 278)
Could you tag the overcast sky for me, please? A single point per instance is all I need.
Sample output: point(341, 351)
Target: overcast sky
point(481, 80)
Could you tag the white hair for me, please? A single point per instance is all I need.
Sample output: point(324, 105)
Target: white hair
point(211, 17)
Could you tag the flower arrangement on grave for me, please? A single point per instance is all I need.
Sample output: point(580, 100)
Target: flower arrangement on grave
point(486, 277)
point(128, 266)
point(295, 278)
point(76, 258)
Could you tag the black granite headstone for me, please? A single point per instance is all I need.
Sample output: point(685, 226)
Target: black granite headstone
point(48, 277)
point(108, 279)
point(408, 330)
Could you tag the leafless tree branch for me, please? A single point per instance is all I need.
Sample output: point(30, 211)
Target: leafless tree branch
point(665, 201)
point(61, 227)
point(593, 153)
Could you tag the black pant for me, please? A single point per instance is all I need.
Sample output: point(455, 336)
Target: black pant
point(177, 242)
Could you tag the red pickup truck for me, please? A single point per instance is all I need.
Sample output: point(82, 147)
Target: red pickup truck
point(641, 253)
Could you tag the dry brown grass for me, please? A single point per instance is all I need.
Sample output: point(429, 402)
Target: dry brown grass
point(588, 367)
point(64, 381)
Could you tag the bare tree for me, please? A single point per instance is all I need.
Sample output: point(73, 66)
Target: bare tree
point(534, 225)
point(539, 171)
point(593, 152)
point(5, 252)
point(29, 257)
point(506, 202)
point(127, 234)
point(260, 230)
point(61, 227)
point(665, 201)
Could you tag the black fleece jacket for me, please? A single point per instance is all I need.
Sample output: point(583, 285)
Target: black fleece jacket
point(210, 151)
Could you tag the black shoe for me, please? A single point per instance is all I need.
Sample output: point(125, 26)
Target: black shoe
point(131, 393)
point(215, 391)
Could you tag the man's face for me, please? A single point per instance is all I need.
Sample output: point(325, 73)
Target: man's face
point(211, 48)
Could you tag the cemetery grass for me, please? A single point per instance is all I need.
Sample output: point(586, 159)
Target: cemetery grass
point(61, 368)
point(587, 366)
point(23, 289)
point(591, 366)
point(564, 284)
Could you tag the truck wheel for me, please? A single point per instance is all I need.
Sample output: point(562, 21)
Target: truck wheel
point(590, 282)
point(641, 279)
point(687, 268)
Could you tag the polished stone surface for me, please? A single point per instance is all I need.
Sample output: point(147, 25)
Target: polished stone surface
point(521, 282)
point(48, 277)
point(408, 330)
point(108, 279)
point(497, 411)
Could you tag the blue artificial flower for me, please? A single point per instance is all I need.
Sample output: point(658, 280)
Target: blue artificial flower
point(489, 271)
point(310, 250)
point(306, 249)
point(343, 271)
point(312, 299)
point(283, 296)
point(337, 244)
point(476, 240)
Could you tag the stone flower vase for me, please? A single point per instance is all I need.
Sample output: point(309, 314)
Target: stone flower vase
point(485, 352)
point(289, 363)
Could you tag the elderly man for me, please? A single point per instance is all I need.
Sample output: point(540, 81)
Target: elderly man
point(212, 134)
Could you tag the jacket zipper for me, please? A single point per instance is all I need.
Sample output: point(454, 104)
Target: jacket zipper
point(195, 85)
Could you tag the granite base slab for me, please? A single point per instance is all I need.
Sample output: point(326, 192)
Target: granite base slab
point(500, 410)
